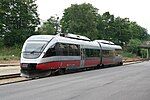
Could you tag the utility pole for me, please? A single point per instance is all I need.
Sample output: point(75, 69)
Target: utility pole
point(148, 53)
point(57, 25)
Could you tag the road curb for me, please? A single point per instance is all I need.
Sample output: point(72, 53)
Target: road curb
point(129, 63)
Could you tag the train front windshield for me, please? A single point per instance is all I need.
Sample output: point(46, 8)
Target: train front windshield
point(33, 49)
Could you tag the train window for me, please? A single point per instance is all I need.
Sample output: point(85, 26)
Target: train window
point(77, 50)
point(59, 49)
point(33, 49)
point(105, 53)
point(61, 46)
point(50, 52)
point(62, 49)
point(111, 53)
point(71, 50)
point(118, 52)
point(74, 50)
point(65, 50)
point(96, 53)
point(108, 53)
point(92, 52)
point(87, 52)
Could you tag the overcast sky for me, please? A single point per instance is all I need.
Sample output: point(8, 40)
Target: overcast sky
point(135, 10)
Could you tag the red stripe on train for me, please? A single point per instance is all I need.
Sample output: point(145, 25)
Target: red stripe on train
point(107, 61)
point(91, 62)
point(58, 64)
point(70, 63)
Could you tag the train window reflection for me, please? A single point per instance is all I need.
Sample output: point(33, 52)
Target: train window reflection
point(118, 52)
point(92, 52)
point(63, 49)
point(108, 53)
point(33, 50)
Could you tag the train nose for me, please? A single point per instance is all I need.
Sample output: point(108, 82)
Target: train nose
point(28, 69)
point(28, 66)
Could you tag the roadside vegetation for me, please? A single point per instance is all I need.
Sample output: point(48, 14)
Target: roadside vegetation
point(10, 54)
point(19, 20)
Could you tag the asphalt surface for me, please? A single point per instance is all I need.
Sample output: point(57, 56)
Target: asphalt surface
point(129, 82)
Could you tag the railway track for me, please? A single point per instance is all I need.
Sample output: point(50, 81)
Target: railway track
point(9, 76)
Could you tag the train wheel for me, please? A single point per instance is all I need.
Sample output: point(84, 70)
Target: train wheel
point(99, 66)
point(45, 74)
point(49, 73)
point(121, 63)
point(61, 71)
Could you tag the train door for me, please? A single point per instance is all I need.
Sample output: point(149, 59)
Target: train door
point(82, 53)
point(100, 53)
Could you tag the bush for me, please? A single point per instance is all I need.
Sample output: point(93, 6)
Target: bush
point(1, 43)
point(11, 53)
point(128, 54)
point(134, 46)
point(144, 53)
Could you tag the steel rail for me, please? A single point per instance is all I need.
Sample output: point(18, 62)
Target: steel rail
point(9, 76)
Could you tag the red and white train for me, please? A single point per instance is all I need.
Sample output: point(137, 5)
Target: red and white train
point(44, 54)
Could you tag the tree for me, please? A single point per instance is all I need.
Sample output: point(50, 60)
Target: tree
point(134, 45)
point(139, 32)
point(18, 20)
point(50, 26)
point(105, 26)
point(122, 34)
point(80, 19)
point(113, 29)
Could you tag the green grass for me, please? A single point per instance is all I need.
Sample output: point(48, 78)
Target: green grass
point(12, 53)
point(128, 54)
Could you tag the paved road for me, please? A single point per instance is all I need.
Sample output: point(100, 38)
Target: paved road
point(130, 82)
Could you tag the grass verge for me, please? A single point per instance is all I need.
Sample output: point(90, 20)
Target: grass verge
point(10, 54)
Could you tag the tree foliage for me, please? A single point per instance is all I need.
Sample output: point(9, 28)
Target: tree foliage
point(119, 30)
point(80, 19)
point(18, 20)
point(134, 45)
point(49, 27)
point(84, 19)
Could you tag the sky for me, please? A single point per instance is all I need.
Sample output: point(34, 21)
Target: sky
point(135, 10)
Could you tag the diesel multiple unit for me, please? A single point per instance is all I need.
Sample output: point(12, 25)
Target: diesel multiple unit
point(44, 54)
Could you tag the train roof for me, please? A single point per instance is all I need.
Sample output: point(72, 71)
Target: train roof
point(76, 39)
point(84, 43)
point(73, 36)
point(108, 45)
point(105, 42)
point(40, 38)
